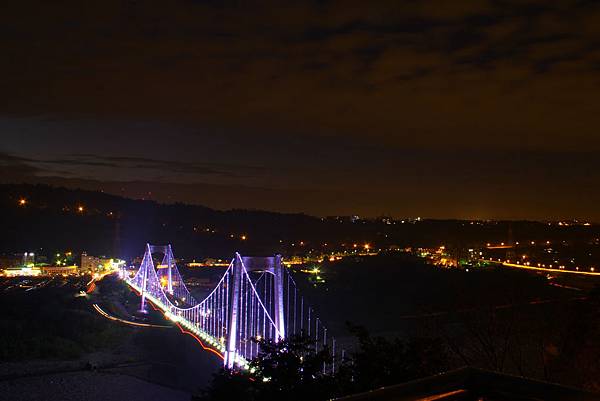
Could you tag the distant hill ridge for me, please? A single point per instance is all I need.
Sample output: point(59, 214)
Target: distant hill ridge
point(47, 219)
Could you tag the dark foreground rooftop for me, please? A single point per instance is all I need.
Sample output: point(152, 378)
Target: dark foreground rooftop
point(474, 384)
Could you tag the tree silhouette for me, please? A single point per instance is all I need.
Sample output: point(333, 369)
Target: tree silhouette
point(293, 370)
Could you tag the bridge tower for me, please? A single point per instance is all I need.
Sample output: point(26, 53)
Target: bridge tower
point(271, 265)
point(279, 302)
point(169, 271)
point(234, 296)
point(147, 257)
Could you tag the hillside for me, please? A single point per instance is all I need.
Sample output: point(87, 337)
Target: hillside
point(46, 219)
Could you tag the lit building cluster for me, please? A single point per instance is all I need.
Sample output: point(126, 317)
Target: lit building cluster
point(64, 264)
point(93, 264)
point(437, 256)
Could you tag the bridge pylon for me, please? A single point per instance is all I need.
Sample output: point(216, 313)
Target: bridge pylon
point(169, 257)
point(145, 261)
point(241, 266)
point(234, 296)
point(278, 299)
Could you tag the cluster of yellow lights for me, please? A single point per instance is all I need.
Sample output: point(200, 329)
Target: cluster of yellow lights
point(566, 224)
point(544, 266)
point(489, 244)
point(80, 208)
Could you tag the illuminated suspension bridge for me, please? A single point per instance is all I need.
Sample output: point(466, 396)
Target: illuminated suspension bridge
point(256, 298)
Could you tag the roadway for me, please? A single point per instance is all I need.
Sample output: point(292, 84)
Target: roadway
point(543, 269)
point(128, 322)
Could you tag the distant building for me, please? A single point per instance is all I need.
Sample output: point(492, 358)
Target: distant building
point(58, 270)
point(22, 271)
point(94, 264)
point(294, 260)
point(19, 264)
point(90, 264)
point(208, 262)
point(11, 261)
point(28, 258)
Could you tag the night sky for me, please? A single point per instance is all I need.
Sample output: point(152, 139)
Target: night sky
point(456, 108)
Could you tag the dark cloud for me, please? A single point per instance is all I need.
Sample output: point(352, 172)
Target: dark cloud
point(303, 97)
point(145, 163)
point(16, 169)
point(114, 163)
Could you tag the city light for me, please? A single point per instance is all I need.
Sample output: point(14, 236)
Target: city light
point(22, 202)
point(80, 209)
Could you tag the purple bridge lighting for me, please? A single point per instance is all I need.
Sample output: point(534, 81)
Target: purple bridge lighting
point(256, 297)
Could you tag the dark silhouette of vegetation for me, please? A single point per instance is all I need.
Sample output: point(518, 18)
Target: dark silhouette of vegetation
point(574, 357)
point(293, 370)
point(380, 361)
point(51, 323)
point(290, 370)
point(557, 341)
